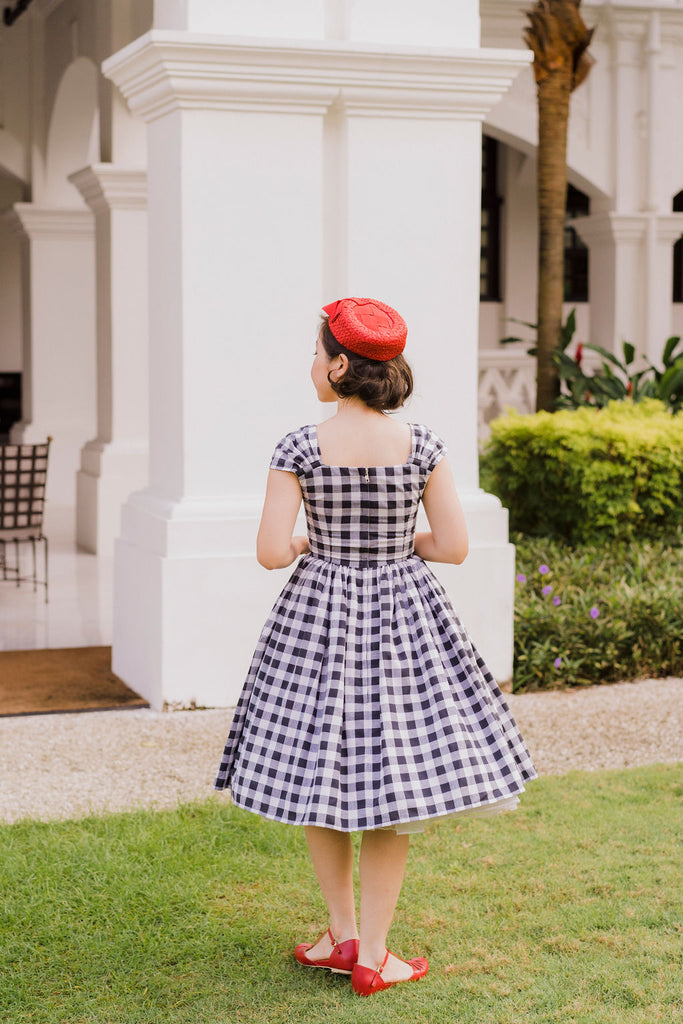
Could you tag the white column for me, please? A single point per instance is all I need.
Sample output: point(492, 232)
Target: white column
point(663, 230)
point(630, 267)
point(115, 463)
point(247, 240)
point(59, 339)
point(616, 263)
point(411, 236)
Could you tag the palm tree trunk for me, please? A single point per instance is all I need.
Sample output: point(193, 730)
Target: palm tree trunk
point(553, 118)
point(559, 39)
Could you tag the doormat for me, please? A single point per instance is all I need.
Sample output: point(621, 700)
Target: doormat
point(70, 679)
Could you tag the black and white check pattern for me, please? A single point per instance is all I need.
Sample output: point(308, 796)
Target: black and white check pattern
point(366, 704)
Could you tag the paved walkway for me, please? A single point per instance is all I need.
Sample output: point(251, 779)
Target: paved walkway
point(64, 766)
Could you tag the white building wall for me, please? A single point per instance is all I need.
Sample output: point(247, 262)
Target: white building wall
point(370, 21)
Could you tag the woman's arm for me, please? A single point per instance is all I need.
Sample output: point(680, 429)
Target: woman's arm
point(447, 541)
point(275, 545)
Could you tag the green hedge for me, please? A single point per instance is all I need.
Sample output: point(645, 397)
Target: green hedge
point(588, 474)
point(597, 613)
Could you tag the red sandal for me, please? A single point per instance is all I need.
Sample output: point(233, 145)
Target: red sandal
point(365, 981)
point(341, 960)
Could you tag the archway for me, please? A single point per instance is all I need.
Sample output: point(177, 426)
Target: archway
point(73, 134)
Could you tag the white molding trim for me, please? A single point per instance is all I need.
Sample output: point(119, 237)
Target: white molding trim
point(41, 223)
point(622, 20)
point(107, 187)
point(606, 228)
point(164, 71)
point(669, 226)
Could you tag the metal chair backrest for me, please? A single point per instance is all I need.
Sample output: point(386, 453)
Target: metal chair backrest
point(23, 473)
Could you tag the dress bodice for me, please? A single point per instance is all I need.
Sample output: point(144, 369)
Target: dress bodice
point(359, 515)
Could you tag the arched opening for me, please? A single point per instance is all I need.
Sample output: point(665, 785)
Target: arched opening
point(73, 135)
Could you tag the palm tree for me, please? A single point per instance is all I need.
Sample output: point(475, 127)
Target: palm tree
point(559, 40)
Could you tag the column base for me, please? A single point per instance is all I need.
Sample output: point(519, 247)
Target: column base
point(109, 473)
point(190, 600)
point(482, 589)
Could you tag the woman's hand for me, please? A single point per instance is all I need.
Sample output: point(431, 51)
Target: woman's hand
point(301, 546)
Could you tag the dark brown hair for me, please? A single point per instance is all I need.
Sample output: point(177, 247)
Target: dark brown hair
point(380, 384)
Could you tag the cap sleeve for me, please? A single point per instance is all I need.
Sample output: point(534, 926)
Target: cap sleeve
point(287, 456)
point(431, 449)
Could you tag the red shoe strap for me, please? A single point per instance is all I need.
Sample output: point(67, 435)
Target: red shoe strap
point(381, 967)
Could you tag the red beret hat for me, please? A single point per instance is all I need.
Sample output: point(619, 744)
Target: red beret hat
point(367, 327)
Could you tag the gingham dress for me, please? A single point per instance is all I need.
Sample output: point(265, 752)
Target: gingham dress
point(366, 705)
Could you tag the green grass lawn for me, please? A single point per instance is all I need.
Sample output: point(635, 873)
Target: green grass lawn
point(566, 912)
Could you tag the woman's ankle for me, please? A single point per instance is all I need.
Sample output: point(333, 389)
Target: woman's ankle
point(342, 931)
point(371, 955)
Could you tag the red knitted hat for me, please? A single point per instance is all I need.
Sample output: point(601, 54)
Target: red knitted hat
point(367, 327)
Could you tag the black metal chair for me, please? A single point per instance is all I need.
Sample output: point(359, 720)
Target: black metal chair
point(23, 472)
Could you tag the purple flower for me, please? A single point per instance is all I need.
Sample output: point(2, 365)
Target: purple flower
point(543, 569)
point(557, 600)
point(547, 590)
point(594, 612)
point(521, 578)
point(557, 662)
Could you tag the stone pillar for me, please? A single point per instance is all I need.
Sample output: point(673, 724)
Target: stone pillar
point(281, 175)
point(631, 260)
point(59, 339)
point(115, 463)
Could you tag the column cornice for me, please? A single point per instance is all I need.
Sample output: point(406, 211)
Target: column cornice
point(627, 227)
point(36, 222)
point(106, 187)
point(610, 227)
point(166, 71)
point(669, 226)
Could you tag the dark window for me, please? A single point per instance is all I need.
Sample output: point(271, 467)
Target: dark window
point(489, 267)
point(575, 251)
point(678, 254)
point(10, 402)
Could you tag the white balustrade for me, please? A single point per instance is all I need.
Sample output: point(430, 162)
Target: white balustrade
point(507, 380)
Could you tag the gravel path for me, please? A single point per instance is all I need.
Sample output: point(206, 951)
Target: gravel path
point(65, 766)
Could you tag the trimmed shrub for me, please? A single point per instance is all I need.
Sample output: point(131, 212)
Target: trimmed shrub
point(597, 613)
point(588, 473)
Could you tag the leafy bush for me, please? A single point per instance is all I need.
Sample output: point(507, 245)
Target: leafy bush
point(589, 473)
point(597, 613)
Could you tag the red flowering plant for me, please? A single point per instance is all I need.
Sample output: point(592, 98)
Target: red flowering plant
point(617, 378)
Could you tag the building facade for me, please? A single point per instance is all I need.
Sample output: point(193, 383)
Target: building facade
point(185, 182)
point(624, 274)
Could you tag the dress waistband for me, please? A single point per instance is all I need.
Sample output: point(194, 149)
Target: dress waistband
point(366, 563)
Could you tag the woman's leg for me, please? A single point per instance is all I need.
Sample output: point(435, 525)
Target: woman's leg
point(383, 858)
point(332, 856)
